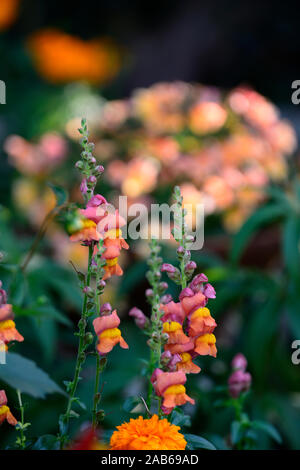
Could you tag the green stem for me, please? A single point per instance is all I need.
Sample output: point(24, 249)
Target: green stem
point(96, 391)
point(80, 354)
point(22, 440)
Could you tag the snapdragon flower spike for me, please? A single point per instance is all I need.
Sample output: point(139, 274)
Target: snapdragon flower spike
point(109, 335)
point(170, 386)
point(5, 413)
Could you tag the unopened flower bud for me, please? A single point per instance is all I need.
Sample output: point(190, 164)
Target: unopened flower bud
point(105, 309)
point(92, 179)
point(88, 338)
point(99, 169)
point(239, 362)
point(140, 318)
point(149, 293)
point(186, 292)
point(88, 291)
point(166, 299)
point(79, 165)
point(190, 268)
point(168, 268)
point(239, 382)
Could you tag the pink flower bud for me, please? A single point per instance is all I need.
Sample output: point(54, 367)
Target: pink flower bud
point(168, 268)
point(239, 382)
point(166, 299)
point(140, 318)
point(106, 309)
point(209, 291)
point(187, 292)
point(239, 362)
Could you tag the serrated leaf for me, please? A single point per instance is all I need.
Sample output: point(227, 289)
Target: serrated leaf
point(23, 374)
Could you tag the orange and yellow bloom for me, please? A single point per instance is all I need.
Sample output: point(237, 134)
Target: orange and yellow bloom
point(5, 413)
point(109, 335)
point(170, 386)
point(147, 434)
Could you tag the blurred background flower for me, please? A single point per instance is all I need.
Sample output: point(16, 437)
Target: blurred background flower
point(184, 94)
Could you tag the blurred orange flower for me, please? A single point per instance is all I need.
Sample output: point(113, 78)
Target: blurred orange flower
point(8, 12)
point(60, 57)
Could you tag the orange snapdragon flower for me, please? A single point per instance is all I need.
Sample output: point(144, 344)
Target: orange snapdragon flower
point(147, 434)
point(201, 322)
point(170, 385)
point(5, 413)
point(206, 345)
point(60, 57)
point(175, 333)
point(8, 331)
point(186, 364)
point(86, 233)
point(106, 328)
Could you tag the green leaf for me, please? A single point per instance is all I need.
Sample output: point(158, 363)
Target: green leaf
point(23, 374)
point(261, 217)
point(47, 442)
point(60, 194)
point(44, 311)
point(197, 442)
point(180, 419)
point(236, 432)
point(131, 404)
point(268, 429)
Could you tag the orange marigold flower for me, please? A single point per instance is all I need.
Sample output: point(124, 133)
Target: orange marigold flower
point(108, 333)
point(186, 364)
point(201, 322)
point(5, 413)
point(8, 12)
point(175, 332)
point(206, 345)
point(147, 434)
point(60, 57)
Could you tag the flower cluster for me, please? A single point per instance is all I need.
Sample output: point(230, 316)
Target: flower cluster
point(101, 221)
point(189, 327)
point(223, 149)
